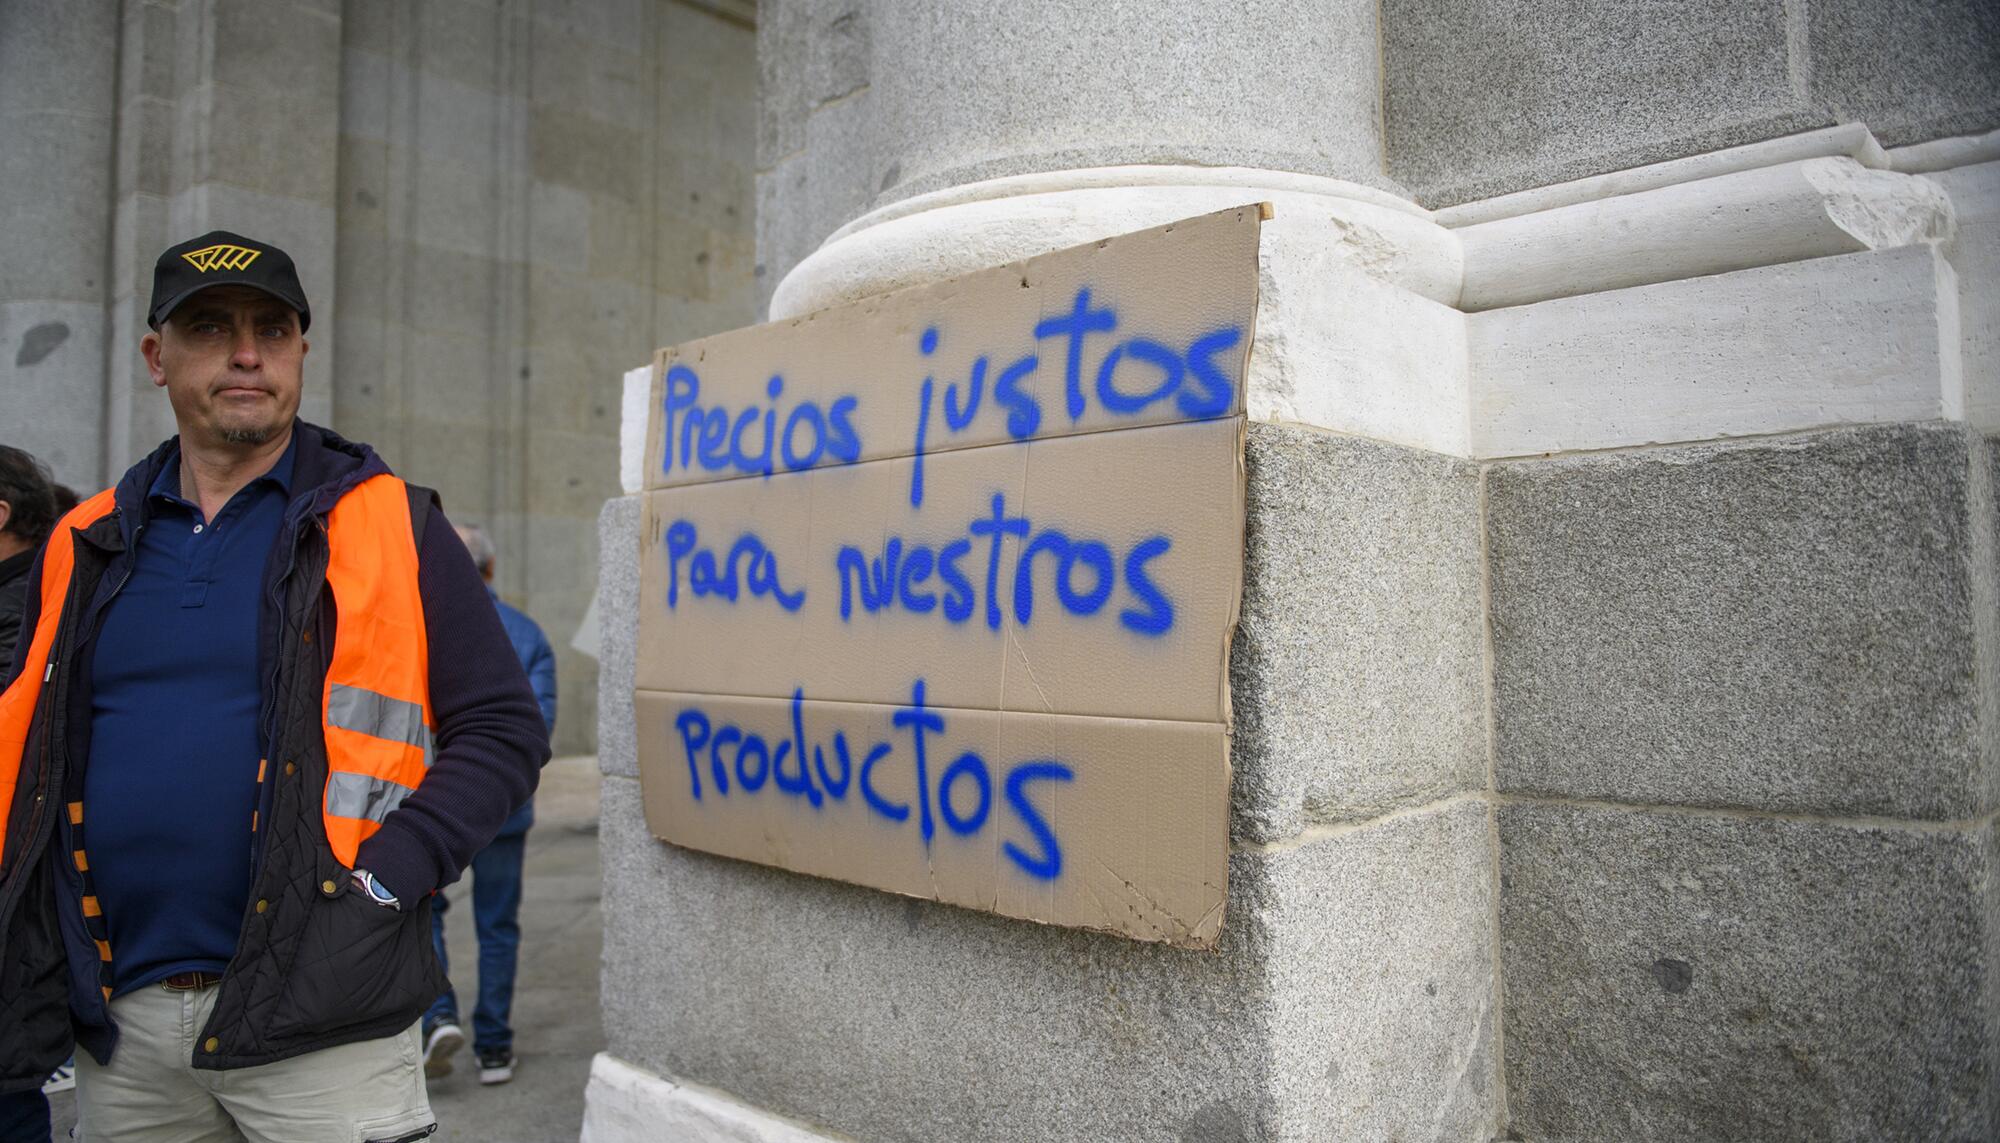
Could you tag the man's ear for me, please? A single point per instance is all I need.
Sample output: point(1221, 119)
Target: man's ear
point(6, 514)
point(149, 348)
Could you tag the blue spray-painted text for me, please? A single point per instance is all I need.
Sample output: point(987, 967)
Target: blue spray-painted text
point(891, 776)
point(708, 576)
point(1082, 571)
point(752, 441)
point(1132, 377)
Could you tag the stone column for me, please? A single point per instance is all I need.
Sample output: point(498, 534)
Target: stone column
point(58, 80)
point(1354, 992)
point(531, 197)
point(228, 113)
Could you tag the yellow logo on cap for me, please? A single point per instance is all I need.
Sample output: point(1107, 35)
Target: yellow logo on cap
point(221, 258)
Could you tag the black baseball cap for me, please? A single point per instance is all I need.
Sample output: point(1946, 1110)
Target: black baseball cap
point(220, 258)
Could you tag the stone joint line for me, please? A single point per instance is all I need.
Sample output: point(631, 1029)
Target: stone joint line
point(1322, 832)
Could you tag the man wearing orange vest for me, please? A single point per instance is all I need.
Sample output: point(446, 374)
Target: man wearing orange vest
point(261, 708)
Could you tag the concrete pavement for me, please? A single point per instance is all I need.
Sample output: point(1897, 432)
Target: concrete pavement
point(556, 1023)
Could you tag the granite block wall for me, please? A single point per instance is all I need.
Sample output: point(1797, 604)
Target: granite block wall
point(1491, 96)
point(1745, 748)
point(1356, 676)
point(1673, 974)
point(1784, 626)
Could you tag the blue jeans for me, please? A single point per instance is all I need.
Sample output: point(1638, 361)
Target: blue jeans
point(496, 910)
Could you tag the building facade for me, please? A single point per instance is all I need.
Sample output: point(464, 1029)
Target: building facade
point(1617, 695)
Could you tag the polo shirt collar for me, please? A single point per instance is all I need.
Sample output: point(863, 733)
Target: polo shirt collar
point(167, 485)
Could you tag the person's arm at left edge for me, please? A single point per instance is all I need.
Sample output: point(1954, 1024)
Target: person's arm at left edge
point(31, 615)
point(490, 740)
point(13, 610)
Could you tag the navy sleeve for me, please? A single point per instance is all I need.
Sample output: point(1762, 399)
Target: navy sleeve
point(12, 606)
point(491, 743)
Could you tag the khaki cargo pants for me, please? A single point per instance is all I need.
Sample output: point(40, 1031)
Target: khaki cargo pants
point(355, 1093)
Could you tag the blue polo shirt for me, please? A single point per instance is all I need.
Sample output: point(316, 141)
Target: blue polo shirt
point(175, 735)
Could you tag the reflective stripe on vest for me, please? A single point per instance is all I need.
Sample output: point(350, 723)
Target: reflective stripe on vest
point(17, 705)
point(377, 704)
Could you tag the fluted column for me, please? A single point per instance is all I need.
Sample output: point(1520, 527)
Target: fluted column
point(58, 79)
point(228, 114)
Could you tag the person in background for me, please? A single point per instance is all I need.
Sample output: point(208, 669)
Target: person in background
point(28, 510)
point(27, 513)
point(496, 876)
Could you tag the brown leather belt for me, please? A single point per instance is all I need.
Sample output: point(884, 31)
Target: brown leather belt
point(191, 981)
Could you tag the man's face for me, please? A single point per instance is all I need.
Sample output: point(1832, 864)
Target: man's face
point(230, 359)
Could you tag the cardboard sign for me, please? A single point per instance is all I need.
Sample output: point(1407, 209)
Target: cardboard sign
point(937, 588)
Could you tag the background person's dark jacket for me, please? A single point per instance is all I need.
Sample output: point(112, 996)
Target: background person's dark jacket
point(314, 968)
point(13, 598)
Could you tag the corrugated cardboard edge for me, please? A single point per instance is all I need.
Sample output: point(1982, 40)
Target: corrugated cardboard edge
point(1265, 212)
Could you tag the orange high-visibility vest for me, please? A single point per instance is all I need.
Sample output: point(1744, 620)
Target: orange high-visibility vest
point(375, 709)
point(377, 704)
point(17, 704)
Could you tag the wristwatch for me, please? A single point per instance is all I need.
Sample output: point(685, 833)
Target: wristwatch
point(377, 892)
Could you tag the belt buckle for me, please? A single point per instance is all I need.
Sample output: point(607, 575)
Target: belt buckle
point(190, 981)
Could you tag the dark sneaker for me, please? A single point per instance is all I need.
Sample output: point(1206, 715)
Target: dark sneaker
point(444, 1039)
point(496, 1067)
